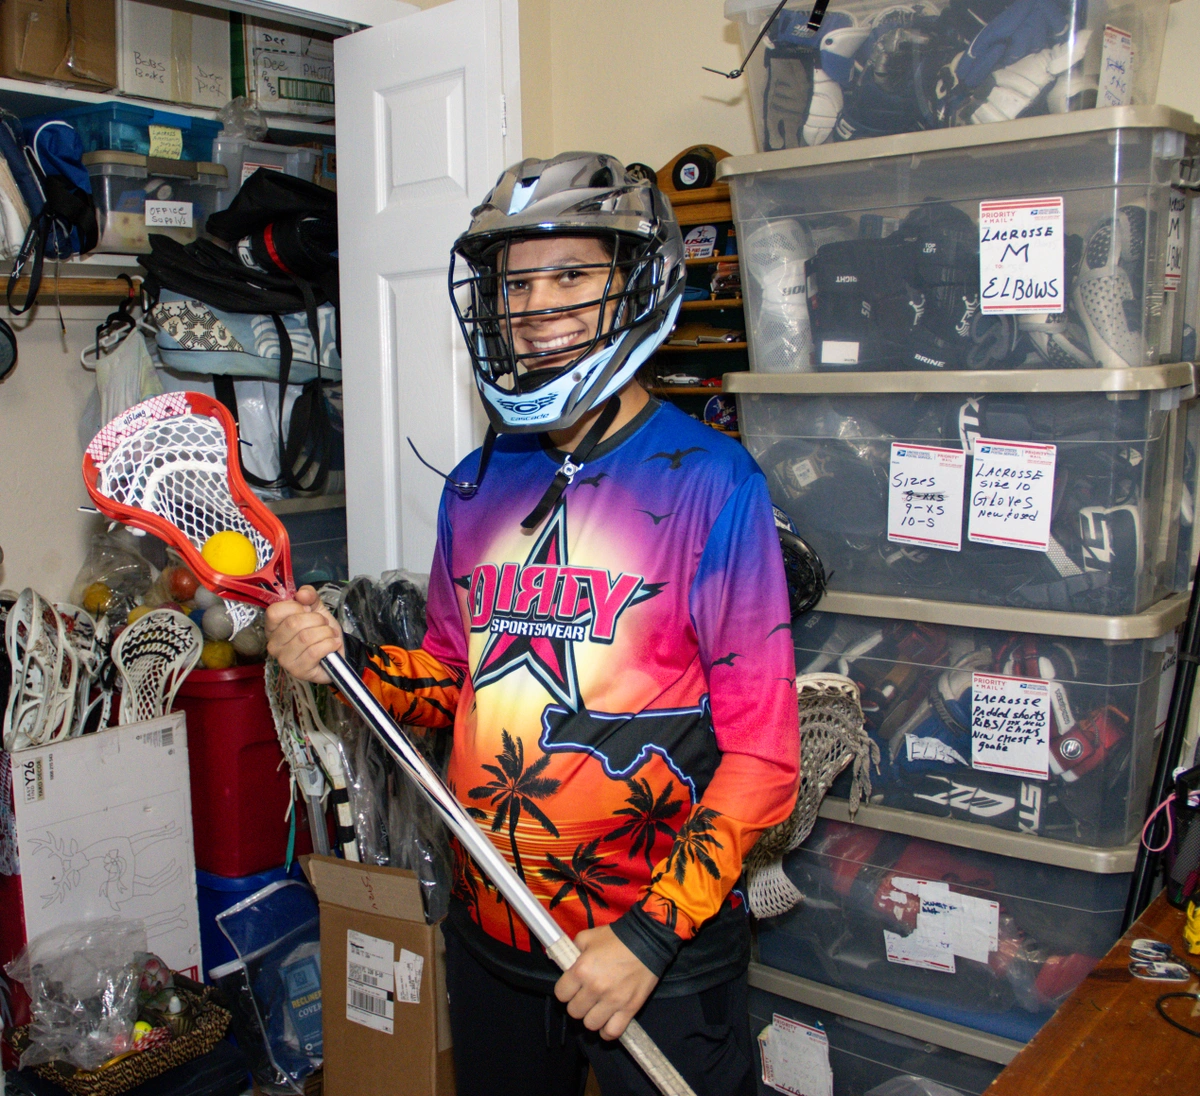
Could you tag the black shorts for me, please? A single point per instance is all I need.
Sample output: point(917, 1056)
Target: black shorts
point(513, 1042)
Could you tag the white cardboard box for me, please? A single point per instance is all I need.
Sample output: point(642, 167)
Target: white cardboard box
point(290, 72)
point(104, 829)
point(179, 53)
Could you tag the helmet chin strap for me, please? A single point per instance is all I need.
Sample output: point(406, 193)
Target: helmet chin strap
point(573, 464)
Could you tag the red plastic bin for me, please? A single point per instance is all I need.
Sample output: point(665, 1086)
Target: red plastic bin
point(239, 778)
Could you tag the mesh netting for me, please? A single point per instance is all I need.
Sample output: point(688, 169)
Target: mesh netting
point(45, 673)
point(832, 736)
point(153, 656)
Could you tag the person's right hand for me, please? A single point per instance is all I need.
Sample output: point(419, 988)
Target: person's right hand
point(302, 632)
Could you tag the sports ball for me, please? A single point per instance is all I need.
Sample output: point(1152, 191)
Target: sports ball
point(250, 642)
point(216, 623)
point(97, 598)
point(137, 612)
point(181, 584)
point(217, 654)
point(204, 598)
point(230, 553)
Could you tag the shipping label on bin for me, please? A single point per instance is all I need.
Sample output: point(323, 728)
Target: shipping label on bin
point(925, 496)
point(1012, 492)
point(1021, 256)
point(1010, 725)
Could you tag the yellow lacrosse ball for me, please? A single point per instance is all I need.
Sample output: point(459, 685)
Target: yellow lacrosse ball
point(97, 598)
point(217, 654)
point(230, 553)
point(137, 612)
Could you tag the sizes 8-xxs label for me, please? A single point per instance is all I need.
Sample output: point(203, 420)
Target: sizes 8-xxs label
point(1021, 256)
point(925, 496)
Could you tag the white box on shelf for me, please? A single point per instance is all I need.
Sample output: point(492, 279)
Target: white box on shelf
point(288, 71)
point(179, 53)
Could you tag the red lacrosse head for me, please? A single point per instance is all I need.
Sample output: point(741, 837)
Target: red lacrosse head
point(169, 465)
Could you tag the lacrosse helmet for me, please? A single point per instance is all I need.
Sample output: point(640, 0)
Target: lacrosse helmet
point(574, 194)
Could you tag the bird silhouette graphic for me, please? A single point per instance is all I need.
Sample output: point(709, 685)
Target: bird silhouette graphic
point(656, 518)
point(675, 460)
point(786, 626)
point(593, 481)
point(726, 660)
point(790, 681)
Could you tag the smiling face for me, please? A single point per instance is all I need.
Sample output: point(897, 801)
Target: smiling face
point(564, 273)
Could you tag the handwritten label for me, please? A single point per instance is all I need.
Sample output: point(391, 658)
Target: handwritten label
point(1012, 487)
point(168, 214)
point(925, 496)
point(408, 977)
point(166, 141)
point(1174, 265)
point(370, 980)
point(834, 352)
point(1010, 725)
point(970, 925)
point(795, 1058)
point(1116, 68)
point(1021, 256)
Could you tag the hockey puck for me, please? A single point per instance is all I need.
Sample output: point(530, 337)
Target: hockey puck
point(643, 173)
point(695, 169)
point(8, 350)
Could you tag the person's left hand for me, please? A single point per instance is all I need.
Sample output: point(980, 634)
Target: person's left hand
point(606, 985)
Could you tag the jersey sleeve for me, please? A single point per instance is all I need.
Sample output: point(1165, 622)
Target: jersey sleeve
point(422, 686)
point(739, 609)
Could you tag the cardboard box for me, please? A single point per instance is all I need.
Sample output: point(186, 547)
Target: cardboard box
point(73, 43)
point(375, 945)
point(104, 829)
point(288, 71)
point(177, 52)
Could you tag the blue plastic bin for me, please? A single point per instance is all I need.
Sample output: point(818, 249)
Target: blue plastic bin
point(124, 127)
point(215, 894)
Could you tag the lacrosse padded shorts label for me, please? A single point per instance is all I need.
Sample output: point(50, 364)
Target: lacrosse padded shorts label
point(1010, 725)
point(795, 1058)
point(168, 214)
point(166, 142)
point(925, 496)
point(1012, 489)
point(1116, 68)
point(409, 968)
point(1021, 256)
point(370, 964)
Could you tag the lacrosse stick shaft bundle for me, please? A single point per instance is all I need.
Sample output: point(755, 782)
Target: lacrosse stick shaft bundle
point(169, 465)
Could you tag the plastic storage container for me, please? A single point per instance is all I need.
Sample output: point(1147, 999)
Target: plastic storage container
point(1114, 439)
point(240, 786)
point(318, 539)
point(871, 1044)
point(215, 894)
point(1108, 684)
point(877, 67)
point(243, 158)
point(883, 255)
point(987, 941)
point(123, 183)
point(124, 127)
point(1189, 529)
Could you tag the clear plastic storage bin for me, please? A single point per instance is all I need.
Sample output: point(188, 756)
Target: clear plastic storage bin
point(892, 255)
point(181, 194)
point(864, 1056)
point(1108, 686)
point(876, 67)
point(243, 158)
point(125, 127)
point(1189, 529)
point(1109, 522)
point(990, 942)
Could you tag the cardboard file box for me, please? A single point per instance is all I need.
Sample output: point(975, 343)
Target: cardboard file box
point(66, 44)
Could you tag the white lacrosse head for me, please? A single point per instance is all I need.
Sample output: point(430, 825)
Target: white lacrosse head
point(152, 656)
point(86, 638)
point(45, 668)
point(832, 735)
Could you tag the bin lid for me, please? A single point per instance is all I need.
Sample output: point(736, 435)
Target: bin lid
point(1142, 378)
point(200, 171)
point(961, 137)
point(1157, 621)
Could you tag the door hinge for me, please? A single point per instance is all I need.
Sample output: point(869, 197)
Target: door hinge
point(503, 116)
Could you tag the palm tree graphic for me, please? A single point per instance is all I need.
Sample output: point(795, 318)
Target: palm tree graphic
point(586, 875)
point(647, 817)
point(692, 845)
point(514, 789)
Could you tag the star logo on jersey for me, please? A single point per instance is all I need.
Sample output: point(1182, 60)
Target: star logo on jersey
point(537, 611)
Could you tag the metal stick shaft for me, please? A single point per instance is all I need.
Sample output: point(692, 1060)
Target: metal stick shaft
point(558, 945)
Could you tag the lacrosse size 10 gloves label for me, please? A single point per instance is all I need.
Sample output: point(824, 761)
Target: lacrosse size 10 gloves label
point(1012, 489)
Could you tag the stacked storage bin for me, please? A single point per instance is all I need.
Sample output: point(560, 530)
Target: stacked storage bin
point(996, 494)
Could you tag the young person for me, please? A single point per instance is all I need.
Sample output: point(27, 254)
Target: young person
point(609, 636)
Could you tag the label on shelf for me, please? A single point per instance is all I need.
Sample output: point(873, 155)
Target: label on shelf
point(925, 496)
point(168, 214)
point(166, 142)
point(1116, 68)
point(1174, 267)
point(1010, 725)
point(1012, 488)
point(1021, 256)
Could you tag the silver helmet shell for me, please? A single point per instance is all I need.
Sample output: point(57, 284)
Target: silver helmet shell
point(582, 194)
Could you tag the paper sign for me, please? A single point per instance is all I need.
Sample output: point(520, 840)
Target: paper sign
point(1116, 68)
point(249, 168)
point(838, 353)
point(166, 142)
point(1012, 488)
point(920, 950)
point(1010, 725)
point(971, 925)
point(1021, 256)
point(925, 496)
point(408, 977)
point(1174, 264)
point(795, 1058)
point(168, 214)
point(370, 964)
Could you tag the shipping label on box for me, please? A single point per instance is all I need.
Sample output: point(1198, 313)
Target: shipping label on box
point(290, 72)
point(180, 53)
point(104, 830)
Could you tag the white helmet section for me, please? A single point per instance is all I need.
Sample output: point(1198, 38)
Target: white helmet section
point(580, 194)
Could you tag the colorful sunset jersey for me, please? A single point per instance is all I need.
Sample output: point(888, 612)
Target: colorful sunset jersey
point(621, 686)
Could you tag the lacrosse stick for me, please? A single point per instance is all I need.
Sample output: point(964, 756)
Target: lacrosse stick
point(832, 735)
point(152, 656)
point(169, 465)
point(89, 641)
point(44, 674)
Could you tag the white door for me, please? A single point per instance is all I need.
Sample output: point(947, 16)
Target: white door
point(428, 115)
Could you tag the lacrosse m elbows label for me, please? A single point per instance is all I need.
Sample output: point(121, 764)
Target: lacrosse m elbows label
point(370, 981)
point(1021, 257)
